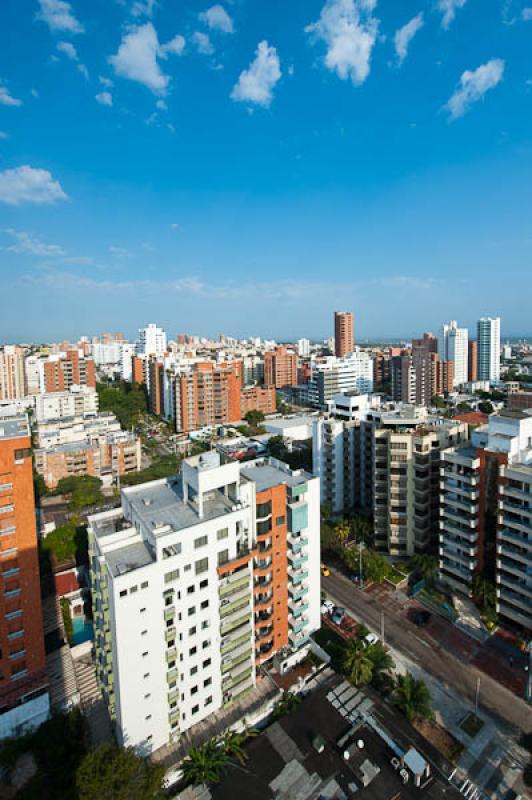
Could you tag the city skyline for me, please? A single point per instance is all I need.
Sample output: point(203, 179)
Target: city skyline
point(395, 182)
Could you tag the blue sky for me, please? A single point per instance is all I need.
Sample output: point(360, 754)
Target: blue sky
point(248, 167)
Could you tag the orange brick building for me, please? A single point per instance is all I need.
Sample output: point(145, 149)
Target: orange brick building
point(23, 680)
point(280, 368)
point(72, 370)
point(258, 398)
point(111, 456)
point(208, 395)
point(344, 335)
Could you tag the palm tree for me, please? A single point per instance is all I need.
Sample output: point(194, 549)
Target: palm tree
point(357, 663)
point(381, 661)
point(413, 698)
point(206, 763)
point(286, 704)
point(233, 743)
point(484, 592)
point(427, 566)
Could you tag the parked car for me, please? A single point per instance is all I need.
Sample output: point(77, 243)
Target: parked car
point(338, 615)
point(325, 571)
point(370, 639)
point(421, 618)
point(327, 607)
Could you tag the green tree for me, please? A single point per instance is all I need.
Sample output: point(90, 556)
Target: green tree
point(114, 773)
point(438, 401)
point(233, 743)
point(128, 401)
point(205, 764)
point(286, 704)
point(486, 407)
point(254, 418)
point(413, 698)
point(381, 661)
point(84, 490)
point(427, 566)
point(484, 592)
point(358, 665)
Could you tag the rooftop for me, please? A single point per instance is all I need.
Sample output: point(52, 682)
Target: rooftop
point(266, 475)
point(132, 556)
point(13, 426)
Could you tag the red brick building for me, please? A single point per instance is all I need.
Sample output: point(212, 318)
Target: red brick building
point(258, 398)
point(72, 370)
point(280, 368)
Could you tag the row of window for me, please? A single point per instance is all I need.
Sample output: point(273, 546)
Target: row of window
point(133, 589)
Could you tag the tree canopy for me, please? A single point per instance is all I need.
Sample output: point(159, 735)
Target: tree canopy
point(127, 401)
point(118, 774)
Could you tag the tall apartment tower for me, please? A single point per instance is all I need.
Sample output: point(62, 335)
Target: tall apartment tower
point(71, 369)
point(280, 367)
point(12, 378)
point(24, 699)
point(486, 509)
point(453, 346)
point(152, 341)
point(344, 336)
point(489, 348)
point(472, 365)
point(196, 582)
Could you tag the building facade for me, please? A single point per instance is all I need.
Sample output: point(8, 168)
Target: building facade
point(331, 376)
point(61, 373)
point(489, 349)
point(344, 333)
point(280, 367)
point(196, 582)
point(12, 375)
point(24, 699)
point(453, 346)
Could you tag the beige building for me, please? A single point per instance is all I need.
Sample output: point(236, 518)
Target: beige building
point(12, 384)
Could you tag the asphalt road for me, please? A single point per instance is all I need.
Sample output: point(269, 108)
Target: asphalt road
point(412, 642)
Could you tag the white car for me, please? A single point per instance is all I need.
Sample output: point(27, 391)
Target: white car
point(371, 638)
point(327, 607)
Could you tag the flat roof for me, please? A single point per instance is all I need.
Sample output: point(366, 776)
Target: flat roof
point(161, 503)
point(265, 476)
point(128, 558)
point(13, 426)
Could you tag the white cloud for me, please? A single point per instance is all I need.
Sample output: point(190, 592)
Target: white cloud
point(84, 71)
point(26, 244)
point(448, 9)
point(203, 43)
point(107, 82)
point(58, 16)
point(143, 8)
point(137, 56)
point(217, 19)
point(349, 30)
point(61, 280)
point(175, 225)
point(473, 86)
point(404, 36)
point(6, 99)
point(29, 185)
point(174, 47)
point(256, 84)
point(68, 49)
point(161, 105)
point(527, 14)
point(104, 98)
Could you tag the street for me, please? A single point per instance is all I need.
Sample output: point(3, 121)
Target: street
point(450, 668)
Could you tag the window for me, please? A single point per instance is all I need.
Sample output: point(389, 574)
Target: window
point(146, 675)
point(191, 589)
point(264, 509)
point(191, 611)
point(168, 600)
point(142, 610)
point(192, 631)
point(206, 644)
point(223, 557)
point(144, 585)
point(171, 576)
point(188, 567)
point(201, 541)
point(133, 589)
point(22, 453)
point(194, 690)
point(123, 593)
point(279, 521)
point(208, 700)
point(147, 696)
point(205, 624)
point(195, 709)
point(193, 651)
point(6, 509)
point(144, 655)
point(223, 534)
point(193, 670)
point(203, 584)
point(202, 565)
point(204, 604)
point(143, 633)
point(207, 682)
point(206, 663)
point(172, 550)
point(147, 717)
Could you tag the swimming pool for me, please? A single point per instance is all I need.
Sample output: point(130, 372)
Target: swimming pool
point(83, 631)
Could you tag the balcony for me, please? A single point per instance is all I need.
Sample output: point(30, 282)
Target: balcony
point(234, 621)
point(522, 539)
point(227, 607)
point(263, 601)
point(297, 592)
point(297, 576)
point(297, 625)
point(297, 608)
point(231, 587)
point(297, 640)
point(296, 560)
point(263, 617)
point(296, 541)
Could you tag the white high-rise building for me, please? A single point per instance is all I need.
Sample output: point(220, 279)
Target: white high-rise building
point(303, 347)
point(196, 582)
point(489, 348)
point(332, 375)
point(127, 351)
point(453, 346)
point(151, 341)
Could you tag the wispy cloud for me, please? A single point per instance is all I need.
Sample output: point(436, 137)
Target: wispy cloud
point(203, 43)
point(7, 99)
point(58, 16)
point(27, 244)
point(448, 9)
point(138, 54)
point(217, 19)
point(68, 49)
point(27, 184)
point(63, 281)
point(143, 8)
point(473, 86)
point(404, 36)
point(256, 84)
point(104, 98)
point(349, 30)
